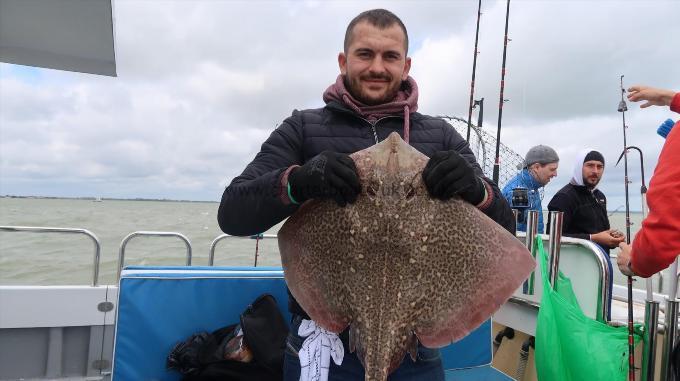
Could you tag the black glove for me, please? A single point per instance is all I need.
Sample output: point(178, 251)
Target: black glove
point(326, 175)
point(447, 173)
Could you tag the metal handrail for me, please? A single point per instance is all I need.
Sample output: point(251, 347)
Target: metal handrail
point(606, 275)
point(39, 229)
point(121, 250)
point(211, 256)
point(602, 263)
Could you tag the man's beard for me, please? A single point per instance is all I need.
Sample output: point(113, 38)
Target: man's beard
point(354, 86)
point(588, 184)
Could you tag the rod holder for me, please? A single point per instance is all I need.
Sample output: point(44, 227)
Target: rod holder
point(554, 243)
point(669, 339)
point(532, 230)
point(649, 349)
point(673, 281)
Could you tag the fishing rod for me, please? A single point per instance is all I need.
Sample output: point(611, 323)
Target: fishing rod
point(631, 342)
point(497, 163)
point(643, 186)
point(651, 306)
point(474, 69)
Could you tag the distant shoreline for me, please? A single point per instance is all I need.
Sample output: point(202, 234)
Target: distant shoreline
point(610, 212)
point(102, 198)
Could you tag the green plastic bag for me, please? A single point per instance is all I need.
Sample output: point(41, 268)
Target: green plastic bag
point(571, 346)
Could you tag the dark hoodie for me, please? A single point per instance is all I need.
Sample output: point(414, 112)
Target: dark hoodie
point(585, 209)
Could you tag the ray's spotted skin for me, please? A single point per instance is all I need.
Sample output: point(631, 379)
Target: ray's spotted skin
point(397, 266)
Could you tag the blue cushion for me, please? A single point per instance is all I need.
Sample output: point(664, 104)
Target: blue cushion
point(473, 350)
point(482, 373)
point(160, 306)
point(157, 310)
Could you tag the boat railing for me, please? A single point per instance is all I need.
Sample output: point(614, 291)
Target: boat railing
point(555, 243)
point(92, 236)
point(123, 244)
point(211, 256)
point(527, 297)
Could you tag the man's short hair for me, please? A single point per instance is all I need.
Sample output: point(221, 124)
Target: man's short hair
point(381, 18)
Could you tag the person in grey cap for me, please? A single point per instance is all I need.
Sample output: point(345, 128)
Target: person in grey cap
point(540, 166)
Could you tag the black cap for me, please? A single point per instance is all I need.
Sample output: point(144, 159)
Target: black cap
point(594, 155)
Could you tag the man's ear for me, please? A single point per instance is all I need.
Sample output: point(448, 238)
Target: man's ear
point(342, 63)
point(407, 68)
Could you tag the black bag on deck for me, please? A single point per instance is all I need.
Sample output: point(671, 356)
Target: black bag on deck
point(201, 357)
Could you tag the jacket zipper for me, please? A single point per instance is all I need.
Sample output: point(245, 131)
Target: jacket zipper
point(292, 348)
point(375, 132)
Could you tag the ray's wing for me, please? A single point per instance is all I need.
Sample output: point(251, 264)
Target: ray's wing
point(473, 265)
point(311, 243)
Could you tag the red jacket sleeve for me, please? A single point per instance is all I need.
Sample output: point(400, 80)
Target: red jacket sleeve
point(657, 244)
point(675, 103)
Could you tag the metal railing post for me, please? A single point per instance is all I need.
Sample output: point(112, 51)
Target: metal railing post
point(95, 240)
point(554, 243)
point(124, 242)
point(211, 255)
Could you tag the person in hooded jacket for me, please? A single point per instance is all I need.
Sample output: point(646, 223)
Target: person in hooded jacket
point(585, 208)
point(306, 157)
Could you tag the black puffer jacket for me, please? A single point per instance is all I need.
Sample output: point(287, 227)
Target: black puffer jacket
point(251, 203)
point(585, 212)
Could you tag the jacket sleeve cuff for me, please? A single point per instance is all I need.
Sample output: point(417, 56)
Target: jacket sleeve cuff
point(283, 186)
point(675, 103)
point(488, 196)
point(638, 268)
point(630, 267)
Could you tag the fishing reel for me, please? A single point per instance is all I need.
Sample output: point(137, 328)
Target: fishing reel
point(520, 201)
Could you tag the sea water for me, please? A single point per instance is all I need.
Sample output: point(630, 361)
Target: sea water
point(59, 259)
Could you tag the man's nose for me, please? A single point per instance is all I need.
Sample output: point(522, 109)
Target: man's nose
point(377, 65)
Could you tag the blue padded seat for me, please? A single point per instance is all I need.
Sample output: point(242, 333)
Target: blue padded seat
point(160, 306)
point(482, 373)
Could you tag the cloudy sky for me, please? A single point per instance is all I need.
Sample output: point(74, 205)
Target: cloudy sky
point(201, 84)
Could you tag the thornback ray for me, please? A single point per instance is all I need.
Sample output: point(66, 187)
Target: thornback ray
point(398, 266)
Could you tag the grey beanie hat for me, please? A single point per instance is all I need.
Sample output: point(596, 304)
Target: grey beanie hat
point(541, 154)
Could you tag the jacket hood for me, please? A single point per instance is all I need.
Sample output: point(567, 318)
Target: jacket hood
point(577, 173)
